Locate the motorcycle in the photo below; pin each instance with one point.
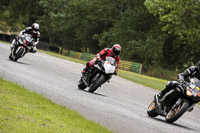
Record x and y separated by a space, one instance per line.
23 44
176 102
98 75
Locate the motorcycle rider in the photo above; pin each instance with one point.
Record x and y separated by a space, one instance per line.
111 52
191 72
34 32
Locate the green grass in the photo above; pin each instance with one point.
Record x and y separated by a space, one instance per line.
22 111
63 57
5 42
148 81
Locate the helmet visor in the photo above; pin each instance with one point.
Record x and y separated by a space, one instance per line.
35 31
116 51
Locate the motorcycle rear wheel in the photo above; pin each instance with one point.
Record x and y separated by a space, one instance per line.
151 110
173 115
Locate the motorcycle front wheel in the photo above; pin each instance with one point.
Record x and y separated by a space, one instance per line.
10 56
175 114
93 87
151 110
19 54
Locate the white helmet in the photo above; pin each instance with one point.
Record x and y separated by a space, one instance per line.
35 28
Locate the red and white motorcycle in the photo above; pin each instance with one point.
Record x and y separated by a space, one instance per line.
98 75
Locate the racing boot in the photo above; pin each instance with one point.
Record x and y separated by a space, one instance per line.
160 96
33 50
85 70
13 44
170 85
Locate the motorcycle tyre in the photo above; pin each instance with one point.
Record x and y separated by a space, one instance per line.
81 85
182 110
18 55
152 112
99 82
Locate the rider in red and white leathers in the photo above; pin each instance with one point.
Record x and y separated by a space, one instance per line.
112 52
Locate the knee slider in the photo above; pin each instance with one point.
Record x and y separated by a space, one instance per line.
87 64
90 64
172 84
175 83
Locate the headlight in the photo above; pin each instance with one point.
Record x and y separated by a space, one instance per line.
189 93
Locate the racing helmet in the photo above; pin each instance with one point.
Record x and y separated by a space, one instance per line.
116 49
35 28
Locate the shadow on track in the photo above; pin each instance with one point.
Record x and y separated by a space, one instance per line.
93 93
18 62
22 63
174 124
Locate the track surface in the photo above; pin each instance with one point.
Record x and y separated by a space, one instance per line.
119 105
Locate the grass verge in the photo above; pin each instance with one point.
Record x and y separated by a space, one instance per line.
148 81
5 42
22 111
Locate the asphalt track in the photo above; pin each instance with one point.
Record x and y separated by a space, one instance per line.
119 105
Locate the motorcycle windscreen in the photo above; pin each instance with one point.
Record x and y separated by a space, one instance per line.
109 69
29 39
111 60
21 40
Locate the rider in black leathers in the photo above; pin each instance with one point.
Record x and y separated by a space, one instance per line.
191 72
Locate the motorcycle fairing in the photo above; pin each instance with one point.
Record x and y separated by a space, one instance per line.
108 67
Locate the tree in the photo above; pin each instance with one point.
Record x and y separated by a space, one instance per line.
181 21
139 34
16 15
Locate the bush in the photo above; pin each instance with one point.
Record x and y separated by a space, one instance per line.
158 72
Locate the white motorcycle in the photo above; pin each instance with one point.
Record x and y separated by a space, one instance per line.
98 75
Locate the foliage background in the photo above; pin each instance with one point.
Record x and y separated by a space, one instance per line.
160 34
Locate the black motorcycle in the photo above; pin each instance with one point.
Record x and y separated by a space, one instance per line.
176 102
98 75
23 44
